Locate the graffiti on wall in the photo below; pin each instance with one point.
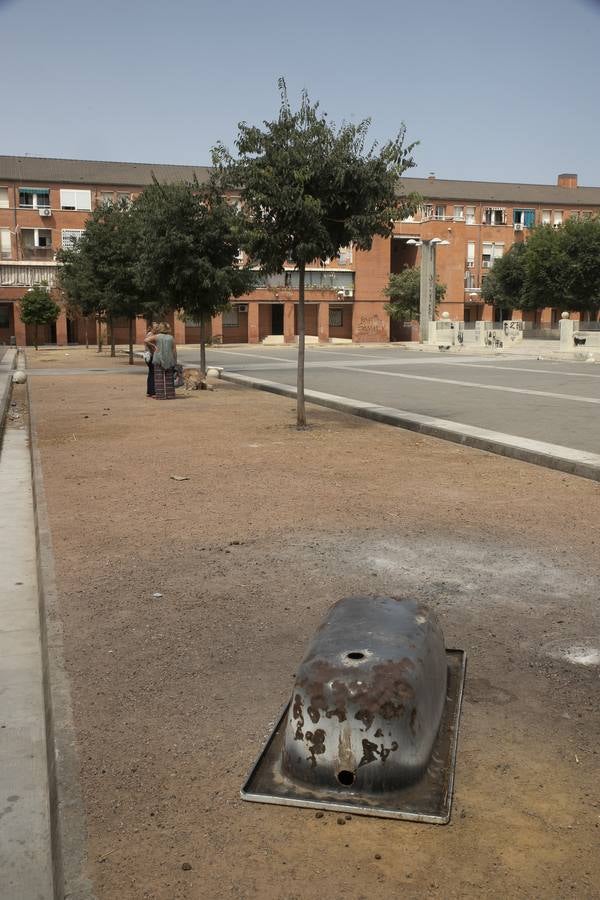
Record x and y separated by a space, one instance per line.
370 325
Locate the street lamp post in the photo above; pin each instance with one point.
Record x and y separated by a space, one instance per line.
427 282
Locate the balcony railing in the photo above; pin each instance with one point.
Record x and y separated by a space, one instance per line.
41 253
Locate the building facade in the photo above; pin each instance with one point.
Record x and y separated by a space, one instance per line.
44 204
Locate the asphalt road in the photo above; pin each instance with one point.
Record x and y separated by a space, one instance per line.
550 401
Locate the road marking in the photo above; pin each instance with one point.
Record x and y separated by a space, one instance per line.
484 387
480 365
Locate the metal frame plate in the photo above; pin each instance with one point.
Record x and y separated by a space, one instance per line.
428 800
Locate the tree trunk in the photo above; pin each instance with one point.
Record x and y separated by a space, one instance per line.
112 336
300 409
99 327
35 335
131 322
87 336
202 346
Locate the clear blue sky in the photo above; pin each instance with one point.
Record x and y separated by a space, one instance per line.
499 92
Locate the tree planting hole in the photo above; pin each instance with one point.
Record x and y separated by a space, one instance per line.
356 654
346 778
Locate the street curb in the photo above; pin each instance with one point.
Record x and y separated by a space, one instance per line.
551 456
67 812
7 390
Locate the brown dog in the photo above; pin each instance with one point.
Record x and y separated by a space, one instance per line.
194 380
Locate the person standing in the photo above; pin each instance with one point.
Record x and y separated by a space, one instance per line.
164 362
148 354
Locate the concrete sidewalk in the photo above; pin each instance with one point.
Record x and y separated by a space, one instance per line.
7 364
26 871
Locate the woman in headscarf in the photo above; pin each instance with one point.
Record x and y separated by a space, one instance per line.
164 362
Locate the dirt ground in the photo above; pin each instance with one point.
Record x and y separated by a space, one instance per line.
173 695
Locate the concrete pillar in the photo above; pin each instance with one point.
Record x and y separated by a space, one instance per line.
323 323
217 328
427 291
141 329
61 329
253 330
289 322
178 330
567 327
431 333
19 328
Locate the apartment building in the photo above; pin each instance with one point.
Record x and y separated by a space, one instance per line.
44 204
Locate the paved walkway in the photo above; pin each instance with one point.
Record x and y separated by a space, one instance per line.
25 846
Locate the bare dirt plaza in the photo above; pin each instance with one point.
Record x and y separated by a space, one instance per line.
173 695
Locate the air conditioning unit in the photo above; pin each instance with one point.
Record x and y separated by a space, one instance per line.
486 264
44 211
348 292
518 226
242 307
470 264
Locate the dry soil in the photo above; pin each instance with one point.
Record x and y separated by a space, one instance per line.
174 694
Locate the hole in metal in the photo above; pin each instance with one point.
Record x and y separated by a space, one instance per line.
346 778
356 654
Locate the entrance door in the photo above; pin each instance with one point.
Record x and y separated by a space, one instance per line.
277 318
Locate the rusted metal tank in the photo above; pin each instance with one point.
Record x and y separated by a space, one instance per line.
368 697
372 724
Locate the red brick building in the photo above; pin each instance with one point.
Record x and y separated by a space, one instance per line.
44 204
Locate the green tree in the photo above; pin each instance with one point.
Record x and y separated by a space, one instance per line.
579 242
504 285
404 291
100 272
38 308
310 189
188 253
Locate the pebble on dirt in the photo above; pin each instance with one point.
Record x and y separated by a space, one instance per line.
186 867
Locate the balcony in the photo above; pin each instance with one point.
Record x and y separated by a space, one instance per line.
38 253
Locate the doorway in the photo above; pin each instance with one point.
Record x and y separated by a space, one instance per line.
277 318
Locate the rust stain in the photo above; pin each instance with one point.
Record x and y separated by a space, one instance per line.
317 745
299 717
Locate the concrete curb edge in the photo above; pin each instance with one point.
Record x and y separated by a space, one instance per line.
6 393
67 812
585 465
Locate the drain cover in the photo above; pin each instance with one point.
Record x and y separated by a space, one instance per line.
372 725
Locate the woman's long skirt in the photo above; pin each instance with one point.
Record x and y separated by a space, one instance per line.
164 383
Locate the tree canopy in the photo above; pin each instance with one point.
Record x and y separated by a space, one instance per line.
99 273
38 308
189 239
555 267
404 291
311 188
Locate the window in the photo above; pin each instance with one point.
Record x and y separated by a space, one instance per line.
470 215
231 317
70 237
3 198
546 215
494 215
459 213
345 256
336 317
123 198
557 217
490 253
36 238
34 198
5 248
427 211
440 212
470 254
525 217
106 196
75 199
